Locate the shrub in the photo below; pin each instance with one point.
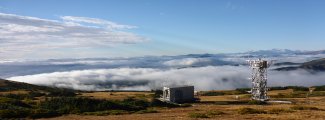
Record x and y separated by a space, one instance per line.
139 104
256 102
157 93
14 113
198 115
215 113
208 114
298 88
43 113
66 105
279 110
16 96
238 91
317 93
61 93
243 90
250 111
158 103
294 88
33 94
295 94
147 111
12 103
212 93
319 88
108 112
299 107
278 88
185 105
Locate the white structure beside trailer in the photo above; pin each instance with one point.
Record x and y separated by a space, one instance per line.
178 94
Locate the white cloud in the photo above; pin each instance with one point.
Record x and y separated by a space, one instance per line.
145 73
108 24
188 62
20 34
204 78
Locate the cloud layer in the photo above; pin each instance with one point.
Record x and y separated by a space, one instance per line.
204 71
24 33
203 78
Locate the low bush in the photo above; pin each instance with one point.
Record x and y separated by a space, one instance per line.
317 93
294 88
198 115
295 94
242 102
14 113
157 93
250 111
230 92
299 107
215 113
42 113
319 88
61 93
256 102
208 114
67 105
277 88
243 90
279 110
298 88
158 103
147 111
212 93
108 112
30 95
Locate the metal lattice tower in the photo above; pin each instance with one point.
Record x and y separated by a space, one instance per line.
259 79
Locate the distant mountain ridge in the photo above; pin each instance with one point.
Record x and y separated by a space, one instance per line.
314 65
12 68
281 52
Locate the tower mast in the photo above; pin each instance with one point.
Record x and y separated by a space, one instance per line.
259 79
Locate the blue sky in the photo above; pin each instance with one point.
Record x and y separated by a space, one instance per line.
170 27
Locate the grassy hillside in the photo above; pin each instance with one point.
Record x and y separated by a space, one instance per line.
6 85
22 100
40 102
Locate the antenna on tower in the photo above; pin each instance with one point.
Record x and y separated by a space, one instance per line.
259 78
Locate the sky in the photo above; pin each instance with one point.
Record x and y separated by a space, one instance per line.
43 29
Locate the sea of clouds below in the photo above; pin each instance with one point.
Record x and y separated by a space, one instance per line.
205 72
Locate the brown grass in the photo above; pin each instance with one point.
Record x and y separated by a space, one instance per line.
15 92
225 111
117 95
